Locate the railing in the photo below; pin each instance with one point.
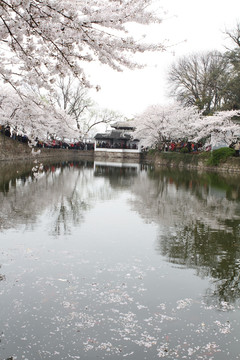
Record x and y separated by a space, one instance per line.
117 150
133 147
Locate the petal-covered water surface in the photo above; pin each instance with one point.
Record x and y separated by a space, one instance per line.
112 261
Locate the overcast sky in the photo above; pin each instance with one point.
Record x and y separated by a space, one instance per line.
193 26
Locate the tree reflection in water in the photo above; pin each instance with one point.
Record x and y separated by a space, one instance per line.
23 197
198 217
197 214
2 277
103 289
215 254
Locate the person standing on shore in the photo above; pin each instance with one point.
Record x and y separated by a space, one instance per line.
237 148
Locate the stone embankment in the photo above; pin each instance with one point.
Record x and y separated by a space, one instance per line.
118 155
13 150
191 162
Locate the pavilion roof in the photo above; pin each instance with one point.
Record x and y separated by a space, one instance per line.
124 125
113 135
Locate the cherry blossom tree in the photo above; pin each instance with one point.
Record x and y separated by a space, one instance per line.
34 117
38 116
219 129
44 39
158 124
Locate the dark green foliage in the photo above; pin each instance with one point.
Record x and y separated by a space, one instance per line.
220 155
152 151
184 150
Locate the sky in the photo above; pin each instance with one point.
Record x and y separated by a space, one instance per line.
189 26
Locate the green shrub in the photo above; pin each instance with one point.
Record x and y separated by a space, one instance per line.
220 155
184 150
152 151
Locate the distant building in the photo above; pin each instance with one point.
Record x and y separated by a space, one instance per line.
120 139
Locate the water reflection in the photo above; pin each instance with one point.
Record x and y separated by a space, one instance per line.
101 260
119 174
2 277
197 214
198 217
63 189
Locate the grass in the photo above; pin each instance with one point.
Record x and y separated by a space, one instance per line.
220 155
213 158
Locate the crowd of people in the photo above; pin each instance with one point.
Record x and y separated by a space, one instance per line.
190 147
50 143
7 131
58 144
181 146
168 146
107 145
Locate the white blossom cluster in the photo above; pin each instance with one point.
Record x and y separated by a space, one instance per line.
174 122
35 118
42 39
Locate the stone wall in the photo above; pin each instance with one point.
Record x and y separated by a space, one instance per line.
12 150
117 155
191 162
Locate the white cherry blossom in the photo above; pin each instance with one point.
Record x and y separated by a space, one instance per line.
44 39
174 122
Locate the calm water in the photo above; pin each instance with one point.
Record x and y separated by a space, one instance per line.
111 262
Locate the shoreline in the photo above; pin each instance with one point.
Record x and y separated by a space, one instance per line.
191 162
13 151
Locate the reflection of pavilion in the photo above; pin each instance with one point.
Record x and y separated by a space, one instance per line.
118 143
102 164
118 173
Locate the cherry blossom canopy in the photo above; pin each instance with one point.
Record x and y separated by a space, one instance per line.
42 39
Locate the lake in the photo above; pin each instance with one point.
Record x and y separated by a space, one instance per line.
112 261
